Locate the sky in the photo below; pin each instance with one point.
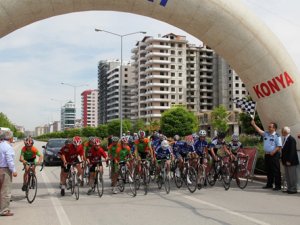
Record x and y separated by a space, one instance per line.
37 58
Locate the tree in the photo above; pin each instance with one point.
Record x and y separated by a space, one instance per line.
5 122
220 119
178 120
245 120
102 131
138 125
88 131
114 127
70 133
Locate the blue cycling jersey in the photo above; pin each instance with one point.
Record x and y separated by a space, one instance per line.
200 146
178 147
161 153
155 143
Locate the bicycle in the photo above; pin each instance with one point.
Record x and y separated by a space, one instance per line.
221 172
98 180
201 171
239 170
144 176
187 176
163 177
31 184
126 176
72 180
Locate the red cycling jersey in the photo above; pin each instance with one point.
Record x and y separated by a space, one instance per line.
70 153
94 154
80 150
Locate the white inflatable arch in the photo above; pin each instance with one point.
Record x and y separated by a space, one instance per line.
228 27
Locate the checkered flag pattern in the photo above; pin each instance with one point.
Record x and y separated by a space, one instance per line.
247 106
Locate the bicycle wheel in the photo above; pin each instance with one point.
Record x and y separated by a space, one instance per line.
177 178
242 176
99 184
226 178
86 175
132 182
191 179
121 179
159 181
201 176
31 188
75 185
167 183
145 179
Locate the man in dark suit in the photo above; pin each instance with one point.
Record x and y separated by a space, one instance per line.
289 160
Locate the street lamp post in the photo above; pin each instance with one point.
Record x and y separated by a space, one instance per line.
121 70
74 86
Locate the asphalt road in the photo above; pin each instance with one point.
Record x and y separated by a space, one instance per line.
211 205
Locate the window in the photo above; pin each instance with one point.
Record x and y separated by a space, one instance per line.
180 89
172 89
172 81
173 74
237 92
237 85
180 74
180 82
173 96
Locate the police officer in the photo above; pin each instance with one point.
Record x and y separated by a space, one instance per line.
272 148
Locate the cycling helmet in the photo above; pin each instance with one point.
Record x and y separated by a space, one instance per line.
164 144
124 140
221 135
162 137
235 137
195 136
77 140
68 142
96 141
189 140
176 137
115 139
91 139
202 133
141 134
135 136
28 142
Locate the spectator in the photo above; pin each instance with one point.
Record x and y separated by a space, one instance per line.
272 148
289 160
7 170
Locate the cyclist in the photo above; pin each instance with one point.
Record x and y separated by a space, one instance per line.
201 148
142 148
178 147
155 140
235 145
93 157
28 155
112 155
68 154
86 147
201 144
163 152
123 153
218 148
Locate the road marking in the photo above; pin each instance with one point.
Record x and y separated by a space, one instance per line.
61 214
226 210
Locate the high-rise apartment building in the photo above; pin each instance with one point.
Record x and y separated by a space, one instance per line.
68 114
109 90
160 74
89 108
103 67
